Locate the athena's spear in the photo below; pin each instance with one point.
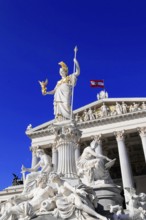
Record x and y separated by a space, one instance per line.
74 69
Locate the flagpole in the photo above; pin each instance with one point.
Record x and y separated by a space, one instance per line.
74 69
104 86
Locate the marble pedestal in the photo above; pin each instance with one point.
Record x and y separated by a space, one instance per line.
67 136
49 217
108 194
46 217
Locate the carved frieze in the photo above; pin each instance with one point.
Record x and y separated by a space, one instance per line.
107 110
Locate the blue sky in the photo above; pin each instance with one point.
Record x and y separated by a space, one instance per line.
35 35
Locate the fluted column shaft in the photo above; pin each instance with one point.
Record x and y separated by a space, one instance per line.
55 158
77 152
66 160
124 161
66 140
98 149
34 158
142 133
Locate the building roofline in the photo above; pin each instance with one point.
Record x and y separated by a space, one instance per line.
97 102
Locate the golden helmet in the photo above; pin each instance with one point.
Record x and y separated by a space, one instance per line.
64 66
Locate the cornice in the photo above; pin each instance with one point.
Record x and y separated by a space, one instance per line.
96 103
92 123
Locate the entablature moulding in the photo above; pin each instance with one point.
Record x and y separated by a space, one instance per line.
43 135
106 130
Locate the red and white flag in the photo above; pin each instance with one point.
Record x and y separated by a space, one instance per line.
97 83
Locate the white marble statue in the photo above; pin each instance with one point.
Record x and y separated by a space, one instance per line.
137 201
25 206
77 117
131 108
102 95
29 127
124 108
92 168
118 108
63 91
142 200
135 107
113 111
86 115
96 114
104 110
45 165
80 119
136 204
91 115
71 200
143 106
118 213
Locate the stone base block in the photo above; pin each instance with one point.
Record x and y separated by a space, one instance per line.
108 194
45 217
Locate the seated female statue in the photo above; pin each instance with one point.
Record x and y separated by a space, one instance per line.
71 200
45 167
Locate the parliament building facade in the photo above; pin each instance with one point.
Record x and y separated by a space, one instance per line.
120 126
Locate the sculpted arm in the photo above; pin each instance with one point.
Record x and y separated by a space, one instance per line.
35 168
21 198
73 189
94 144
93 153
50 92
68 186
103 157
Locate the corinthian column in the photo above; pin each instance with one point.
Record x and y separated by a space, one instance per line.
98 149
142 133
66 138
124 161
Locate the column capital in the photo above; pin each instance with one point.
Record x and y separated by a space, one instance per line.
120 135
142 131
68 133
54 148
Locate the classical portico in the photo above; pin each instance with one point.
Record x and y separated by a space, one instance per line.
121 135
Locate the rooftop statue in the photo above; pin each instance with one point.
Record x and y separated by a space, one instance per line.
102 95
63 90
16 180
118 108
